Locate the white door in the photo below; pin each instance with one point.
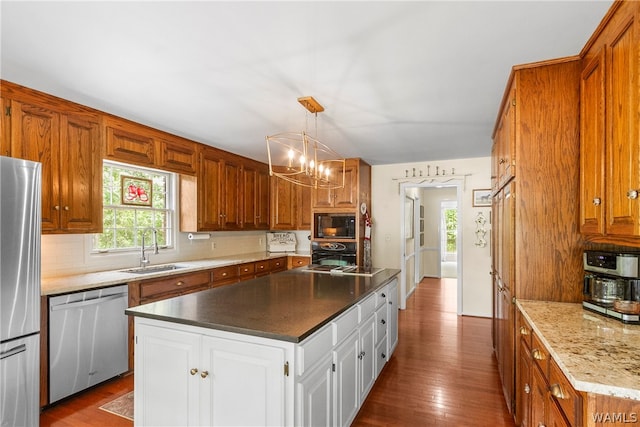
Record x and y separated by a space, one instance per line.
167 378
314 396
346 390
367 356
244 384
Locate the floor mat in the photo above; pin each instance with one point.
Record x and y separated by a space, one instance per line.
121 406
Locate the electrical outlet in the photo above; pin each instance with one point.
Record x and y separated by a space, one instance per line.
213 245
260 241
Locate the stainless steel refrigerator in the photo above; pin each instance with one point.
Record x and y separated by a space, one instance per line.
20 203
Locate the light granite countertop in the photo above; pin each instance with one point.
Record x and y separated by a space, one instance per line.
597 354
86 281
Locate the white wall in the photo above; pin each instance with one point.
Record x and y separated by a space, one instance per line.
386 215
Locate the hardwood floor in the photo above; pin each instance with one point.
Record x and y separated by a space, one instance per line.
443 373
83 410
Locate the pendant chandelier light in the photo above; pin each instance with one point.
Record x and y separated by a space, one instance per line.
303 160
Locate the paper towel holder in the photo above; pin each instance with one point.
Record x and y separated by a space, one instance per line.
199 236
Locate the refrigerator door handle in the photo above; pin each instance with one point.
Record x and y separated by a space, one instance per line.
92 301
13 351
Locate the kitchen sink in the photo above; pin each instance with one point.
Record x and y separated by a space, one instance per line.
153 269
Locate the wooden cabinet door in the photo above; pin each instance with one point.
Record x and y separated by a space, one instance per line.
304 216
5 127
283 202
507 234
323 198
539 398
255 198
178 156
80 175
128 144
523 386
622 120
506 163
209 190
230 194
592 146
507 347
35 135
347 196
263 194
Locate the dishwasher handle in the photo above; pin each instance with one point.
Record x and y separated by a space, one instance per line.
92 301
13 351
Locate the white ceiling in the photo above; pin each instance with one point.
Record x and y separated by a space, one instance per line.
400 81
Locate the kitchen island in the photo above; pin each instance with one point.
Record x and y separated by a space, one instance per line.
292 348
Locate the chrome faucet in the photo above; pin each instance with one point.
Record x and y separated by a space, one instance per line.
144 259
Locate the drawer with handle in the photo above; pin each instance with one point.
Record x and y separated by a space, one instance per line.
540 354
177 284
562 391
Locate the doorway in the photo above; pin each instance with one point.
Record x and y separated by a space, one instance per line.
448 239
430 235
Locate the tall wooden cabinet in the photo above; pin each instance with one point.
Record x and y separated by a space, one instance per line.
67 141
609 129
536 242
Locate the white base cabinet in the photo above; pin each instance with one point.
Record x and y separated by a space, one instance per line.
191 379
193 376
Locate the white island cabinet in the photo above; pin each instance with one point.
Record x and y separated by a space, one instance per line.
188 376
194 375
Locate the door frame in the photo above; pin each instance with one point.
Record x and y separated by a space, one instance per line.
459 186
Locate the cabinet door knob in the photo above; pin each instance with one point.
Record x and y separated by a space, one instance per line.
193 371
632 194
527 388
204 374
180 283
66 208
597 201
383 295
523 331
384 322
56 207
384 356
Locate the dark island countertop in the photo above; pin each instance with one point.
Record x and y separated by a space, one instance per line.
287 306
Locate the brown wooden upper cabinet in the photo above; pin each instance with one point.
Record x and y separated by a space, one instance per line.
67 142
345 197
255 196
290 205
609 130
213 199
136 144
503 161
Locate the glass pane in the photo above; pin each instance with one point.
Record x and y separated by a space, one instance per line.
144 218
108 218
125 218
125 238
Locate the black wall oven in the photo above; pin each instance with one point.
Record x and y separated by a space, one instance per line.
333 253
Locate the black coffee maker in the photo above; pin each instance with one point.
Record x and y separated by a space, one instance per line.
612 284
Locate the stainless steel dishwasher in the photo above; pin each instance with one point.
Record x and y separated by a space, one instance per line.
88 339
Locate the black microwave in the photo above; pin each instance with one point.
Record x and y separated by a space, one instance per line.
335 226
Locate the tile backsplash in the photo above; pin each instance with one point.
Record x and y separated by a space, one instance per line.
68 254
